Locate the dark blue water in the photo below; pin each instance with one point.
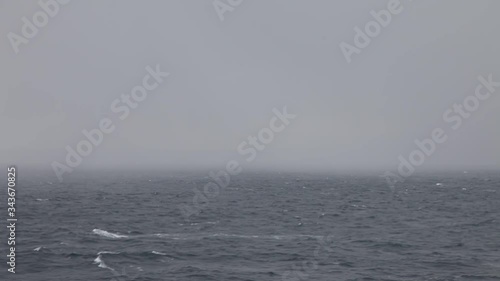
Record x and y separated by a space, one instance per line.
263 226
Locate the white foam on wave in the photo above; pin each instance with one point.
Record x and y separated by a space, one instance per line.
238 236
37 249
158 253
107 252
101 263
172 236
108 234
191 236
41 199
197 223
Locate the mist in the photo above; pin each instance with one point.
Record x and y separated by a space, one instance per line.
227 76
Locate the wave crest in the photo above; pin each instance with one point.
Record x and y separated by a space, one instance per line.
158 253
104 233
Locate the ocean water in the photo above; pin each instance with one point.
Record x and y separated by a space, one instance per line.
262 226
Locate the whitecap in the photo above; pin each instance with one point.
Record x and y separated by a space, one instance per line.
158 253
180 236
439 184
37 249
166 235
101 263
108 234
108 252
40 199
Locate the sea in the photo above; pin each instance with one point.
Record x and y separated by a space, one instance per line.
129 225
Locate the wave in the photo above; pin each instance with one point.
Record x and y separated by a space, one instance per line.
108 234
107 252
101 263
158 253
197 223
189 236
237 236
275 237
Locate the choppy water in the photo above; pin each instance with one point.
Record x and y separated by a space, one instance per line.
127 226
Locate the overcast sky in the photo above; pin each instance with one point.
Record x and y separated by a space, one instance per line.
227 76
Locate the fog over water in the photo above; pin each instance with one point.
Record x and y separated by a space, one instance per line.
250 140
227 76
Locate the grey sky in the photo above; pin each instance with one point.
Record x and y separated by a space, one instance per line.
227 76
